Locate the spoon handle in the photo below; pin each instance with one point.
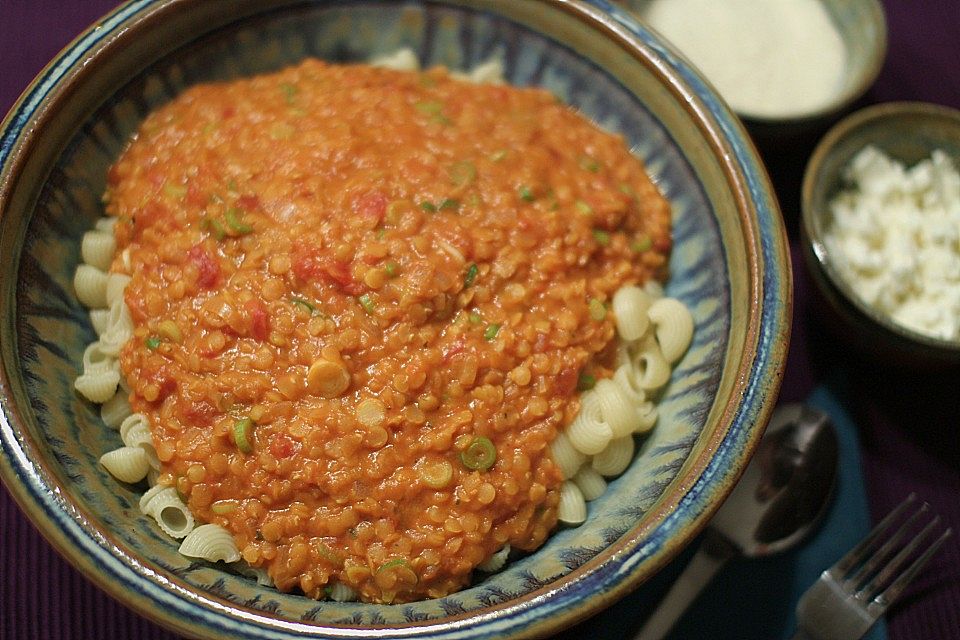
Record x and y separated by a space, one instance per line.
713 554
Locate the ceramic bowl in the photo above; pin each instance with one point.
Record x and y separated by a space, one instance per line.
862 27
730 266
905 131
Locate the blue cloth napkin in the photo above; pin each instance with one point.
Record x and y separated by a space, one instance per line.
755 599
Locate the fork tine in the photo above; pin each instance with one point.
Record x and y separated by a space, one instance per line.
891 568
880 556
857 554
897 586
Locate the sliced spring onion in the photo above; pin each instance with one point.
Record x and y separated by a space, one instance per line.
170 330
479 455
429 107
642 244
438 475
223 507
402 569
233 216
428 206
366 302
330 555
214 227
463 173
526 194
597 311
475 317
586 382
152 343
583 207
303 304
471 275
433 109
391 269
289 92
175 191
602 237
242 431
491 332
450 203
589 164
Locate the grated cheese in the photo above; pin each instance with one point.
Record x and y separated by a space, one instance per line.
767 58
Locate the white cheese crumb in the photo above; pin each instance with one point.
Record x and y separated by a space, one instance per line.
895 239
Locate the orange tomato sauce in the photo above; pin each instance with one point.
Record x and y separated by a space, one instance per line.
363 271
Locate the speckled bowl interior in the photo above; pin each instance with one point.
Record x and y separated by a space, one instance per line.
730 266
907 132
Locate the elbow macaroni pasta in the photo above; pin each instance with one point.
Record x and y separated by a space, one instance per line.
654 332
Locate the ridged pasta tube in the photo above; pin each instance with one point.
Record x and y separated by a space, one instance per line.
99 319
615 407
625 377
588 432
566 456
115 410
116 283
400 60
90 284
630 306
648 417
131 422
496 561
138 435
98 386
97 249
614 460
210 542
340 592
106 224
127 464
653 370
572 508
674 327
591 483
164 505
95 359
119 328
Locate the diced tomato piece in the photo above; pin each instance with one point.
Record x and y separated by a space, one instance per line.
207 265
113 174
309 265
195 196
282 447
197 412
228 112
249 202
150 214
455 347
567 381
259 320
370 207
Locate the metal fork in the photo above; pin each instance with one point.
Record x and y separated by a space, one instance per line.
852 594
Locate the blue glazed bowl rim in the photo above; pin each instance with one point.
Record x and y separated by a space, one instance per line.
586 590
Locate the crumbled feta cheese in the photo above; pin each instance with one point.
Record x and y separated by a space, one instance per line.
894 236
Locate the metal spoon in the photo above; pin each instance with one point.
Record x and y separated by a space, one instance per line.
782 495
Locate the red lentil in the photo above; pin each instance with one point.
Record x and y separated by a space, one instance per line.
374 268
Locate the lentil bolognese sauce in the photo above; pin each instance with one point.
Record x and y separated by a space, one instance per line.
363 300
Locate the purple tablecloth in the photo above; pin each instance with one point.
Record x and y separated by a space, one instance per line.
908 422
